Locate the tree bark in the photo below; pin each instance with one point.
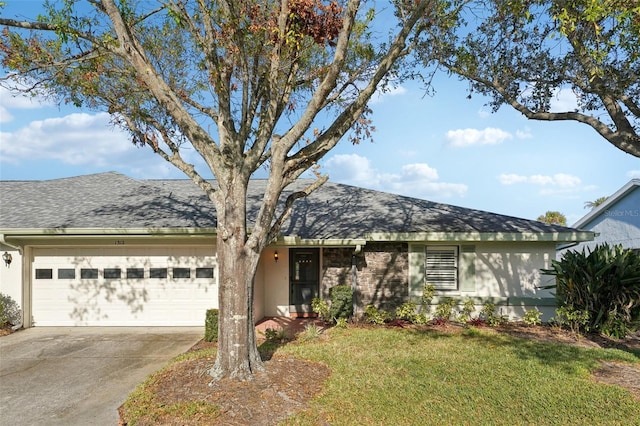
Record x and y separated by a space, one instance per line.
237 355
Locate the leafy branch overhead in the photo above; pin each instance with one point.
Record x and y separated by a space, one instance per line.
525 53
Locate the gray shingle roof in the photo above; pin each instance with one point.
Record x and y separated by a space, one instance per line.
112 200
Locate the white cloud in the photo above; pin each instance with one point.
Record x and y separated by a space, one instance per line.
524 134
484 113
380 95
632 174
415 180
468 137
563 100
82 139
12 101
558 180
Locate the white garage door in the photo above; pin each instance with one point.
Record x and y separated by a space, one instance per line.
118 286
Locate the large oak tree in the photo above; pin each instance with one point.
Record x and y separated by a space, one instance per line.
242 82
523 53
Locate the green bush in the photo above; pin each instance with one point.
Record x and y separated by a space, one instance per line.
532 317
341 302
428 292
407 312
374 315
321 307
488 313
9 311
468 308
604 282
211 326
444 310
576 320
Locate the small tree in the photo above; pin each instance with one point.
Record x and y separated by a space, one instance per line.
553 218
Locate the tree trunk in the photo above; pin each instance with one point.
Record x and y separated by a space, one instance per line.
237 355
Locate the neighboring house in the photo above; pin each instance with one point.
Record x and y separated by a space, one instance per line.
616 221
108 250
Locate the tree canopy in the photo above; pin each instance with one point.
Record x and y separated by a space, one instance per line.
553 218
527 53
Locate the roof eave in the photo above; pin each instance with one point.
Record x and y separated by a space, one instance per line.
612 199
577 236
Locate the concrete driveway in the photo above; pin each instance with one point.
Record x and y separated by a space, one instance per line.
81 375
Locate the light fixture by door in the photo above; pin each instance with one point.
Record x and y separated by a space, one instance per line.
7 258
275 256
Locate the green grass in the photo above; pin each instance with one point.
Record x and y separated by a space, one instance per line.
407 377
384 376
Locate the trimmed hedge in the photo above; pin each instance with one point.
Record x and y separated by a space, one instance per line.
211 326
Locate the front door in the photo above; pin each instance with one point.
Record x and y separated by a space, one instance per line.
304 277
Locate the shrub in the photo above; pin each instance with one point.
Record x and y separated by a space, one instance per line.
311 332
421 319
407 312
341 302
488 313
9 311
532 317
444 310
275 335
321 307
211 326
576 320
428 292
374 315
604 282
467 309
341 323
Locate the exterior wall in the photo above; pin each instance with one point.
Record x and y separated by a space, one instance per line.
383 275
11 275
507 274
276 282
336 269
617 224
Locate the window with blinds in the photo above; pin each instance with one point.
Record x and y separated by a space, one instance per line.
441 267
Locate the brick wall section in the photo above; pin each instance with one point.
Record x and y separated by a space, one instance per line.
382 274
336 269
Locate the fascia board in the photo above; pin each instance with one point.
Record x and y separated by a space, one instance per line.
105 231
484 236
617 196
330 242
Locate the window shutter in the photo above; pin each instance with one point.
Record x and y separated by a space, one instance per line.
441 267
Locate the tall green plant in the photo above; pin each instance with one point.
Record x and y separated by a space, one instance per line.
605 282
341 302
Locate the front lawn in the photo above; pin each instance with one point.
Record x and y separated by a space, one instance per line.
385 376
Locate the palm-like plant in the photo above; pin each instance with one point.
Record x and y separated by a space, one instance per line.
605 282
595 203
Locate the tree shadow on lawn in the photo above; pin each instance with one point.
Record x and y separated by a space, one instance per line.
569 354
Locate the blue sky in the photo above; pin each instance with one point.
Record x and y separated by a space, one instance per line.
444 148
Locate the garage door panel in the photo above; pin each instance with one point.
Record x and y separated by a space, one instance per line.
123 301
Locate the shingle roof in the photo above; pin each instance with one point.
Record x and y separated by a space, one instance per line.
335 211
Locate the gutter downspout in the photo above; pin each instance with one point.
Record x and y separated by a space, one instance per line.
354 276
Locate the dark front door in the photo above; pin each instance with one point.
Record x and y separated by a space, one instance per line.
304 277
